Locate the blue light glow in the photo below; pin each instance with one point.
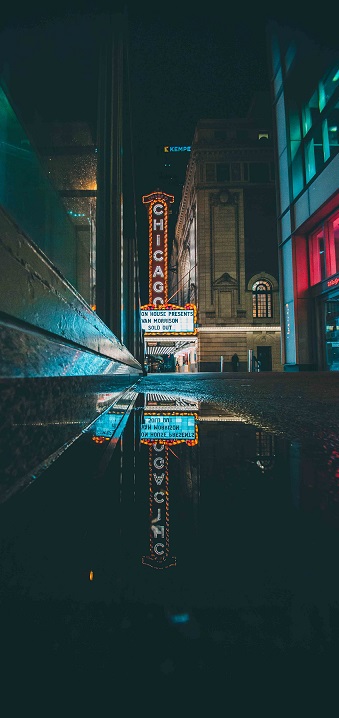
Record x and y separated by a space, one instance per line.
180 618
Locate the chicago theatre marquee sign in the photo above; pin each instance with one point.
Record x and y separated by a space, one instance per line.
160 317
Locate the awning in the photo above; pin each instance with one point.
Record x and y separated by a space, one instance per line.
172 346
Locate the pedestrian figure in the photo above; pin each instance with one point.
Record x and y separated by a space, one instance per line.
235 362
255 363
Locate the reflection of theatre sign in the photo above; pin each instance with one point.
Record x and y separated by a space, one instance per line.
159 317
160 430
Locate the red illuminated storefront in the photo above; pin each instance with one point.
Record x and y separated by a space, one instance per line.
324 280
317 289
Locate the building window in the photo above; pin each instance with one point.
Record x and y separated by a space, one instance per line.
262 299
317 256
318 140
221 135
236 171
310 113
242 137
323 250
328 86
331 131
334 243
223 173
210 172
259 172
322 258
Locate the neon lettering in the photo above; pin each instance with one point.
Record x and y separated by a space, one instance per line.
158 224
159 462
158 531
156 549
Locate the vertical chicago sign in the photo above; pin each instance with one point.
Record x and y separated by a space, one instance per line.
158 246
159 316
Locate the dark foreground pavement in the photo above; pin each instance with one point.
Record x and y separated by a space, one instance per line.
263 576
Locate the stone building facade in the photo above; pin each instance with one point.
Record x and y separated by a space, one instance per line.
224 256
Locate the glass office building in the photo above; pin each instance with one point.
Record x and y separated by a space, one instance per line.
305 95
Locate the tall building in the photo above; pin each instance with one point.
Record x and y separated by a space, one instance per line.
224 256
69 155
57 228
305 96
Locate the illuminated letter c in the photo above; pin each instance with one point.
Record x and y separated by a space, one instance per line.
156 549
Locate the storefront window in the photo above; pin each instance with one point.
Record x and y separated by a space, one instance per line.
332 334
333 231
317 256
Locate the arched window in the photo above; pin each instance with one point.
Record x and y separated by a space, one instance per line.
265 450
262 299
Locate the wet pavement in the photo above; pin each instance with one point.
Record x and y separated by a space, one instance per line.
185 536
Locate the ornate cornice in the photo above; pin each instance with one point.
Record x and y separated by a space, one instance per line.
244 154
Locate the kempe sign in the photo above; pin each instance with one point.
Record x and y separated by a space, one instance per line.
176 148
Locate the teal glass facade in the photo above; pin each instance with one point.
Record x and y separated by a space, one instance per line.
29 197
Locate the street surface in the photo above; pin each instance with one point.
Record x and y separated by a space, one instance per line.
293 404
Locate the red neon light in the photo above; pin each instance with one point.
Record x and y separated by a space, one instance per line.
158 246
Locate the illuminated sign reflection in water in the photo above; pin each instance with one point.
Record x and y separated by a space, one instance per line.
160 431
159 538
170 426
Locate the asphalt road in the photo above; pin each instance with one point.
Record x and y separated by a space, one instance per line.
292 404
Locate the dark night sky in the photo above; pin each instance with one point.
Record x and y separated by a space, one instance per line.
185 64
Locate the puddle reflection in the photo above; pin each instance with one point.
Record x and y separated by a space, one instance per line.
177 512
